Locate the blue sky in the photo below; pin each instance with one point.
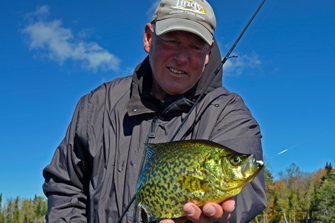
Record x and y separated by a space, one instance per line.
54 52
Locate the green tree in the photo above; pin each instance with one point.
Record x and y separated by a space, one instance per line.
305 199
282 203
325 197
296 182
27 211
299 197
267 213
40 208
329 172
2 217
24 210
9 211
16 216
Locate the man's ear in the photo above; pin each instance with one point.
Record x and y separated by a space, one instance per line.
147 37
209 50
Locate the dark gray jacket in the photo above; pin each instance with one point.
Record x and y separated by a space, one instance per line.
94 171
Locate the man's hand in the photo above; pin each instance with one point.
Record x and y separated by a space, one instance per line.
218 212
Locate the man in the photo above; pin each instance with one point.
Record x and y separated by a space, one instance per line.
94 171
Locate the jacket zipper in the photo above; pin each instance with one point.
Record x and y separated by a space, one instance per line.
151 135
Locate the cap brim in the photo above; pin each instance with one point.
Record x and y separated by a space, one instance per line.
177 24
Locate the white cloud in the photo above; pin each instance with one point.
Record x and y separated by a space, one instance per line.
59 44
235 66
40 13
85 33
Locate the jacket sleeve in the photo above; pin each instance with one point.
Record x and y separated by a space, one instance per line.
67 176
238 130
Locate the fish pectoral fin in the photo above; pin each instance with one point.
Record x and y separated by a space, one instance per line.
193 184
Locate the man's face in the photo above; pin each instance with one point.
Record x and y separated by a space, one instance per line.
177 60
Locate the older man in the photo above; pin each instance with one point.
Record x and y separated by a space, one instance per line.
93 174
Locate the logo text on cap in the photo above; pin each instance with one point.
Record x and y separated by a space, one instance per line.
189 5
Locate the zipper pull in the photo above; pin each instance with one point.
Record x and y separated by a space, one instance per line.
151 134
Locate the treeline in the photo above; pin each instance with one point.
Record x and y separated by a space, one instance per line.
23 210
299 197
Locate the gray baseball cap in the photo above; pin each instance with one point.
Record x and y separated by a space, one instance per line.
195 16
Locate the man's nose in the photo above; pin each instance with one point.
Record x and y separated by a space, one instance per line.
181 55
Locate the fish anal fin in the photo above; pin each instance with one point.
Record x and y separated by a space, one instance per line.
147 217
144 216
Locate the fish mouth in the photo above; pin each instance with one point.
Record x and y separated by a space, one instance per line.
251 168
248 171
259 163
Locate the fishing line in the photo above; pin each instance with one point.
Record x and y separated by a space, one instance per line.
200 96
252 34
302 141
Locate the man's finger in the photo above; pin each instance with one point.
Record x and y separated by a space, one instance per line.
194 213
229 205
219 212
213 211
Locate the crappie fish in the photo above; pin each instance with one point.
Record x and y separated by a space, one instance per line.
197 171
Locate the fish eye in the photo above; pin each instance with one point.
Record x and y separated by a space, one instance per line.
235 160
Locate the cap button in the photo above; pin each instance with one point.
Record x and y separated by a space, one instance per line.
134 109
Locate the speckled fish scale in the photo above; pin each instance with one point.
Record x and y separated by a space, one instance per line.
188 171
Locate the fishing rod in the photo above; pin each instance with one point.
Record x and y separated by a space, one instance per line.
200 96
217 71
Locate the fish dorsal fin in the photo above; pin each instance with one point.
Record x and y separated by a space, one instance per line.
151 148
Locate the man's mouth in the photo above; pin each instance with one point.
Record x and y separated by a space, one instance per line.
176 71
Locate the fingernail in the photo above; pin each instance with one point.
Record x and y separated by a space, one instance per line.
210 211
189 211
